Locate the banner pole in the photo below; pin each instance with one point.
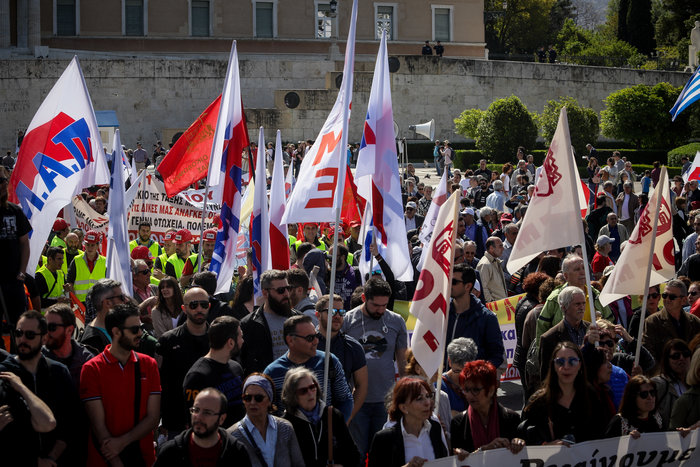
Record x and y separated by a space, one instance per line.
201 229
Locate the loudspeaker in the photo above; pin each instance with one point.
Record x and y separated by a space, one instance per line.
426 129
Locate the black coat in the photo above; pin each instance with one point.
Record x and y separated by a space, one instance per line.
461 431
175 453
256 353
387 448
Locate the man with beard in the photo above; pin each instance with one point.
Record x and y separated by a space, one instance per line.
88 268
50 278
50 381
383 336
144 239
217 369
263 327
206 443
176 262
121 393
104 295
180 348
72 251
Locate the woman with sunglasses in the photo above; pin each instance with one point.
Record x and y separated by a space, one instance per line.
167 306
670 384
415 438
310 418
485 424
269 440
561 411
638 412
686 412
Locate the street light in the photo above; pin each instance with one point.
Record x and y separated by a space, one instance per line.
334 9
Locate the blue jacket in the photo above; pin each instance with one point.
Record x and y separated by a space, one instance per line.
481 325
617 383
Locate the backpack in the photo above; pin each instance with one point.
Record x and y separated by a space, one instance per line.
532 364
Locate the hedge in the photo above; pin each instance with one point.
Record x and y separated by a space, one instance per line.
689 150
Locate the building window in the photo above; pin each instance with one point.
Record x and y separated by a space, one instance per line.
65 18
384 19
264 19
133 18
442 23
200 18
324 22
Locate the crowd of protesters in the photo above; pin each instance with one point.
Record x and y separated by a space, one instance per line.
178 375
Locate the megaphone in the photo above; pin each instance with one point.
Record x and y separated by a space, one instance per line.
426 129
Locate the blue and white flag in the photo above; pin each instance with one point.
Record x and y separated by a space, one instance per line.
118 264
689 94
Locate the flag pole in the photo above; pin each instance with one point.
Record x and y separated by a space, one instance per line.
201 228
658 191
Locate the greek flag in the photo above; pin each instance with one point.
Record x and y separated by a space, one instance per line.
689 94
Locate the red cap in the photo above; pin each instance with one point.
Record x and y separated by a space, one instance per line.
59 225
209 235
92 237
355 224
141 252
182 236
506 216
169 236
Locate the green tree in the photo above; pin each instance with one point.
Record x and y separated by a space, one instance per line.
622 9
504 126
639 115
583 122
640 30
521 27
560 12
467 122
673 20
595 48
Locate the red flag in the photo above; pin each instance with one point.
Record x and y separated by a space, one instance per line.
188 160
353 204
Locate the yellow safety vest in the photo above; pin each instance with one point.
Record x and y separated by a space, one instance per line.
54 284
153 247
84 279
178 264
58 241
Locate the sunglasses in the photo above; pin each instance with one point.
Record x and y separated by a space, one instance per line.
305 390
669 296
145 272
607 343
572 361
29 335
309 338
678 355
53 326
654 295
457 281
694 293
198 303
132 329
281 290
249 397
336 311
645 394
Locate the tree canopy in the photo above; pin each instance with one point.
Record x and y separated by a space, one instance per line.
583 122
504 126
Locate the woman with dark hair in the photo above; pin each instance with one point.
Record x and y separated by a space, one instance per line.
243 300
550 265
485 424
168 306
269 440
506 171
415 438
593 170
670 384
561 411
310 417
638 412
598 372
686 413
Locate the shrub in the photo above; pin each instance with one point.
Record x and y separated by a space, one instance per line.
583 122
689 150
504 126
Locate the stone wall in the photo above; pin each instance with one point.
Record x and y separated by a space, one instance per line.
153 98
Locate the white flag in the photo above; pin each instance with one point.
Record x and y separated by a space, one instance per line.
426 231
432 295
118 264
693 172
629 275
553 218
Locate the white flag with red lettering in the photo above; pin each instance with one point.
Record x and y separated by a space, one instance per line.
629 275
313 198
553 218
432 295
426 231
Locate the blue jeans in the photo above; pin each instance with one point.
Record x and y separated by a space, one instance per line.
368 420
438 166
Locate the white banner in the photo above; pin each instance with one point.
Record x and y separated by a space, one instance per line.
87 218
196 198
651 449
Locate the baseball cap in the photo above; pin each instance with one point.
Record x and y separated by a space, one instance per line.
169 236
604 240
355 224
92 237
141 252
506 216
209 235
411 204
182 236
468 211
59 224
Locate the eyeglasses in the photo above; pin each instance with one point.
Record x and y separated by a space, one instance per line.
145 272
654 295
198 303
281 290
607 343
205 412
132 329
303 391
678 355
572 361
457 281
120 297
670 296
309 338
53 326
336 311
645 394
29 335
249 397
474 391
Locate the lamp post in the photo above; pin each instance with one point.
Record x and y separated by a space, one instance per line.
333 14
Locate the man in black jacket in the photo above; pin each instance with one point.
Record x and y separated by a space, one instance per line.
206 439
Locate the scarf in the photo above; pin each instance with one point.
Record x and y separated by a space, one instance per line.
314 416
483 435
